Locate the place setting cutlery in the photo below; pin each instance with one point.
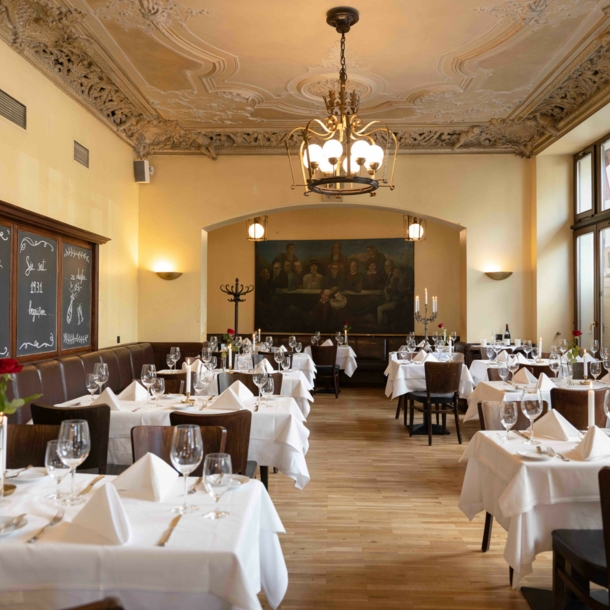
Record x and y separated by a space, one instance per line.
54 521
20 471
551 453
193 487
168 532
13 524
91 485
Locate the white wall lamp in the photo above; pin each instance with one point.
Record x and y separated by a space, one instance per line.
498 275
168 275
415 228
257 228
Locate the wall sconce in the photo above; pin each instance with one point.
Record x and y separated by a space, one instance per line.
168 275
415 228
257 228
498 275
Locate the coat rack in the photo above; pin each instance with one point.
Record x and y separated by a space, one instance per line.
236 293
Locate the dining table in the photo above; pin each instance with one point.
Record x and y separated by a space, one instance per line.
346 358
478 368
278 435
529 495
212 564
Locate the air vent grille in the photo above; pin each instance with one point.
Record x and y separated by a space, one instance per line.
81 154
12 110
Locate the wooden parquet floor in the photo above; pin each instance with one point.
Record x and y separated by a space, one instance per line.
378 525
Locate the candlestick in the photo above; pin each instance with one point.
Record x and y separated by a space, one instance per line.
425 319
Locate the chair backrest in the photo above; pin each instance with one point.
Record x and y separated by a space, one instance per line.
489 415
324 355
237 424
578 370
158 441
572 404
457 357
26 444
493 375
604 494
98 418
269 356
443 377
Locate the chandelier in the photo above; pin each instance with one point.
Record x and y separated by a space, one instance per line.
339 155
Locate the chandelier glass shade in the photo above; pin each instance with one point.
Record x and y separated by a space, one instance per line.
340 154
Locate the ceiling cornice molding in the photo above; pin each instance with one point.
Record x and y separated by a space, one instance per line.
54 37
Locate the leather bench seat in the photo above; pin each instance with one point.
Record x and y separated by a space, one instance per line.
63 379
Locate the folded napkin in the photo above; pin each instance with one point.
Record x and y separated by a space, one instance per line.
241 391
246 341
228 401
588 358
522 359
502 356
105 515
282 349
544 383
150 478
524 376
421 343
195 366
566 358
594 446
327 343
420 356
134 391
264 366
108 397
431 358
555 425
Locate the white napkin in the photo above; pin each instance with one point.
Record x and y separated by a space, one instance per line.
228 401
134 391
502 356
588 358
195 366
105 516
594 446
264 366
150 478
524 376
241 391
522 359
420 356
555 425
544 383
327 343
421 343
431 358
108 397
566 358
246 341
282 349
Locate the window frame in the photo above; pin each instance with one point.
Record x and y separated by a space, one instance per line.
595 204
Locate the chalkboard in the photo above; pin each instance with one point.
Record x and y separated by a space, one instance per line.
75 297
5 291
36 294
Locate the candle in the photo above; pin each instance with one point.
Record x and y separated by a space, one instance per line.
259 335
253 340
434 305
230 356
417 304
591 407
584 364
345 337
540 348
188 379
425 296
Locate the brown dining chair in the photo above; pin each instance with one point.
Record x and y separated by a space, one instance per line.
327 369
158 441
572 404
441 396
108 603
27 444
98 418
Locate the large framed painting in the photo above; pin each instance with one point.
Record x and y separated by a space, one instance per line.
319 285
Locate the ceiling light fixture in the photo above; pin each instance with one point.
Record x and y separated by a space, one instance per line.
415 228
339 155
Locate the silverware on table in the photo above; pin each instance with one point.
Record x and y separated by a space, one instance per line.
193 487
91 485
12 523
54 521
527 438
21 471
554 453
168 531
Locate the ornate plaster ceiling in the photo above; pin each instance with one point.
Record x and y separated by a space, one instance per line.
218 76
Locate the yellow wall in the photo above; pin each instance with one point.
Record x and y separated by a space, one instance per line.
37 172
489 195
437 259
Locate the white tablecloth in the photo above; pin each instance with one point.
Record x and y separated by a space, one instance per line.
529 499
405 378
278 436
346 359
478 368
304 363
207 564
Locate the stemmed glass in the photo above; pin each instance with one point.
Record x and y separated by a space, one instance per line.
298 348
74 445
314 340
563 347
607 404
607 365
238 343
206 354
569 372
158 388
317 335
532 408
268 389
554 364
213 342
490 352
292 341
497 349
269 343
603 353
513 367
217 477
186 454
403 356
595 368
594 347
91 383
100 370
200 385
278 357
147 377
508 416
170 361
56 469
503 371
527 348
286 362
259 380
211 365
175 352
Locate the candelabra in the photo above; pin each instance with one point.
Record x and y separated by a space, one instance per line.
426 320
236 292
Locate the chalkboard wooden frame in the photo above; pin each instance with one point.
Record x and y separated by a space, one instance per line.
19 219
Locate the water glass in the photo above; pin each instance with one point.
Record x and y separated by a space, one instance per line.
286 362
513 367
569 372
278 357
200 386
206 354
211 365
503 371
594 346
527 347
508 416
74 445
186 454
554 364
531 405
259 380
217 477
100 370
169 359
238 343
158 388
298 348
292 341
56 469
269 342
175 353
564 346
148 376
314 340
91 383
595 369
268 389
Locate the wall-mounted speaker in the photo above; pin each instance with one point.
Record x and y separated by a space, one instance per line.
141 171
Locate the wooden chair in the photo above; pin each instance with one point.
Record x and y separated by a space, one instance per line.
572 404
109 603
327 369
580 557
442 391
98 418
26 444
158 441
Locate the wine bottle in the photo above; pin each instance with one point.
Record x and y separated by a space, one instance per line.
507 336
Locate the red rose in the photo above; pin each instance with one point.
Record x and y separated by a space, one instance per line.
441 325
230 331
8 366
576 333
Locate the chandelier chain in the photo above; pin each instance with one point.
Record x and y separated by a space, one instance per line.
343 71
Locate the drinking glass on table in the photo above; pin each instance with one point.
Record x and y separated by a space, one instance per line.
74 445
175 352
594 347
314 340
527 348
242 363
211 365
91 383
564 346
531 405
503 371
239 341
292 341
206 354
554 365
200 385
534 353
340 340
147 377
513 367
569 372
298 348
158 388
268 389
100 370
217 477
269 343
603 353
497 349
278 356
213 342
490 352
508 416
403 356
318 335
286 362
259 380
169 359
56 469
595 369
607 405
186 454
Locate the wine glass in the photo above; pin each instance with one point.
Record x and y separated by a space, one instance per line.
268 389
100 370
569 372
508 416
318 335
56 469
91 383
217 477
213 342
403 356
314 340
211 365
531 405
527 348
238 343
554 364
74 445
503 371
594 347
186 454
513 367
564 346
292 341
206 354
200 385
147 377
603 353
259 380
340 340
497 349
269 343
169 359
298 348
286 362
175 352
490 352
278 357
158 388
595 369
